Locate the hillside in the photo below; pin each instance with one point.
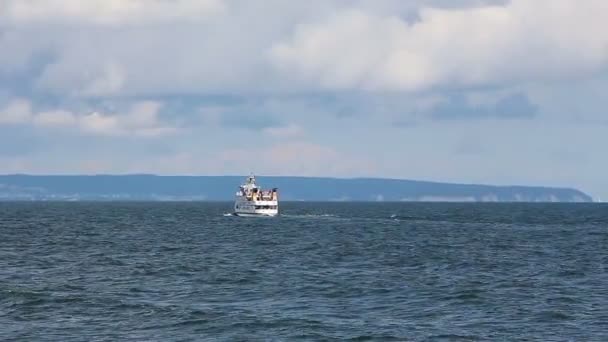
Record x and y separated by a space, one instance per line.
219 188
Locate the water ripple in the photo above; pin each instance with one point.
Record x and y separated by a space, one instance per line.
323 271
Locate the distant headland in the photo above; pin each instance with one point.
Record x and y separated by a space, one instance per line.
222 188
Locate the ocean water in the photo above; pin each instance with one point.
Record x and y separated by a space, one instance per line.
321 272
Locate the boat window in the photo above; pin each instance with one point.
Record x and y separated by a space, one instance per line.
266 207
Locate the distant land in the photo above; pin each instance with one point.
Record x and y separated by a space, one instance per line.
223 188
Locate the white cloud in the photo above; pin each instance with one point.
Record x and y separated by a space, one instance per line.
287 131
105 12
322 44
143 114
222 52
141 120
293 158
16 112
520 41
367 45
55 118
100 124
108 82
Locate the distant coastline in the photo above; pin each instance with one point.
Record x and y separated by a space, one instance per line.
222 188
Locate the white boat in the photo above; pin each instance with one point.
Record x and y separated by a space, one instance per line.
251 200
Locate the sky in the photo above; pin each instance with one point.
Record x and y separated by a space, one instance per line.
469 91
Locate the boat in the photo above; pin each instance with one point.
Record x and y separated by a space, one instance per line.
252 200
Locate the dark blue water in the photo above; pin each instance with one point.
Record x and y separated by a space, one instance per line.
184 272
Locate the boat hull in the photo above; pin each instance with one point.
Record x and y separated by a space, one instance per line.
243 207
255 214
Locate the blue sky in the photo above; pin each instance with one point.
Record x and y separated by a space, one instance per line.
499 92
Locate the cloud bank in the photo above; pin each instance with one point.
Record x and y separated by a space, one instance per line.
141 120
522 41
104 12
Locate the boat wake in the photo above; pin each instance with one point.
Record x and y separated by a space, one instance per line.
393 217
405 218
312 216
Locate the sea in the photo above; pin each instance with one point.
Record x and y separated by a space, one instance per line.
183 271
